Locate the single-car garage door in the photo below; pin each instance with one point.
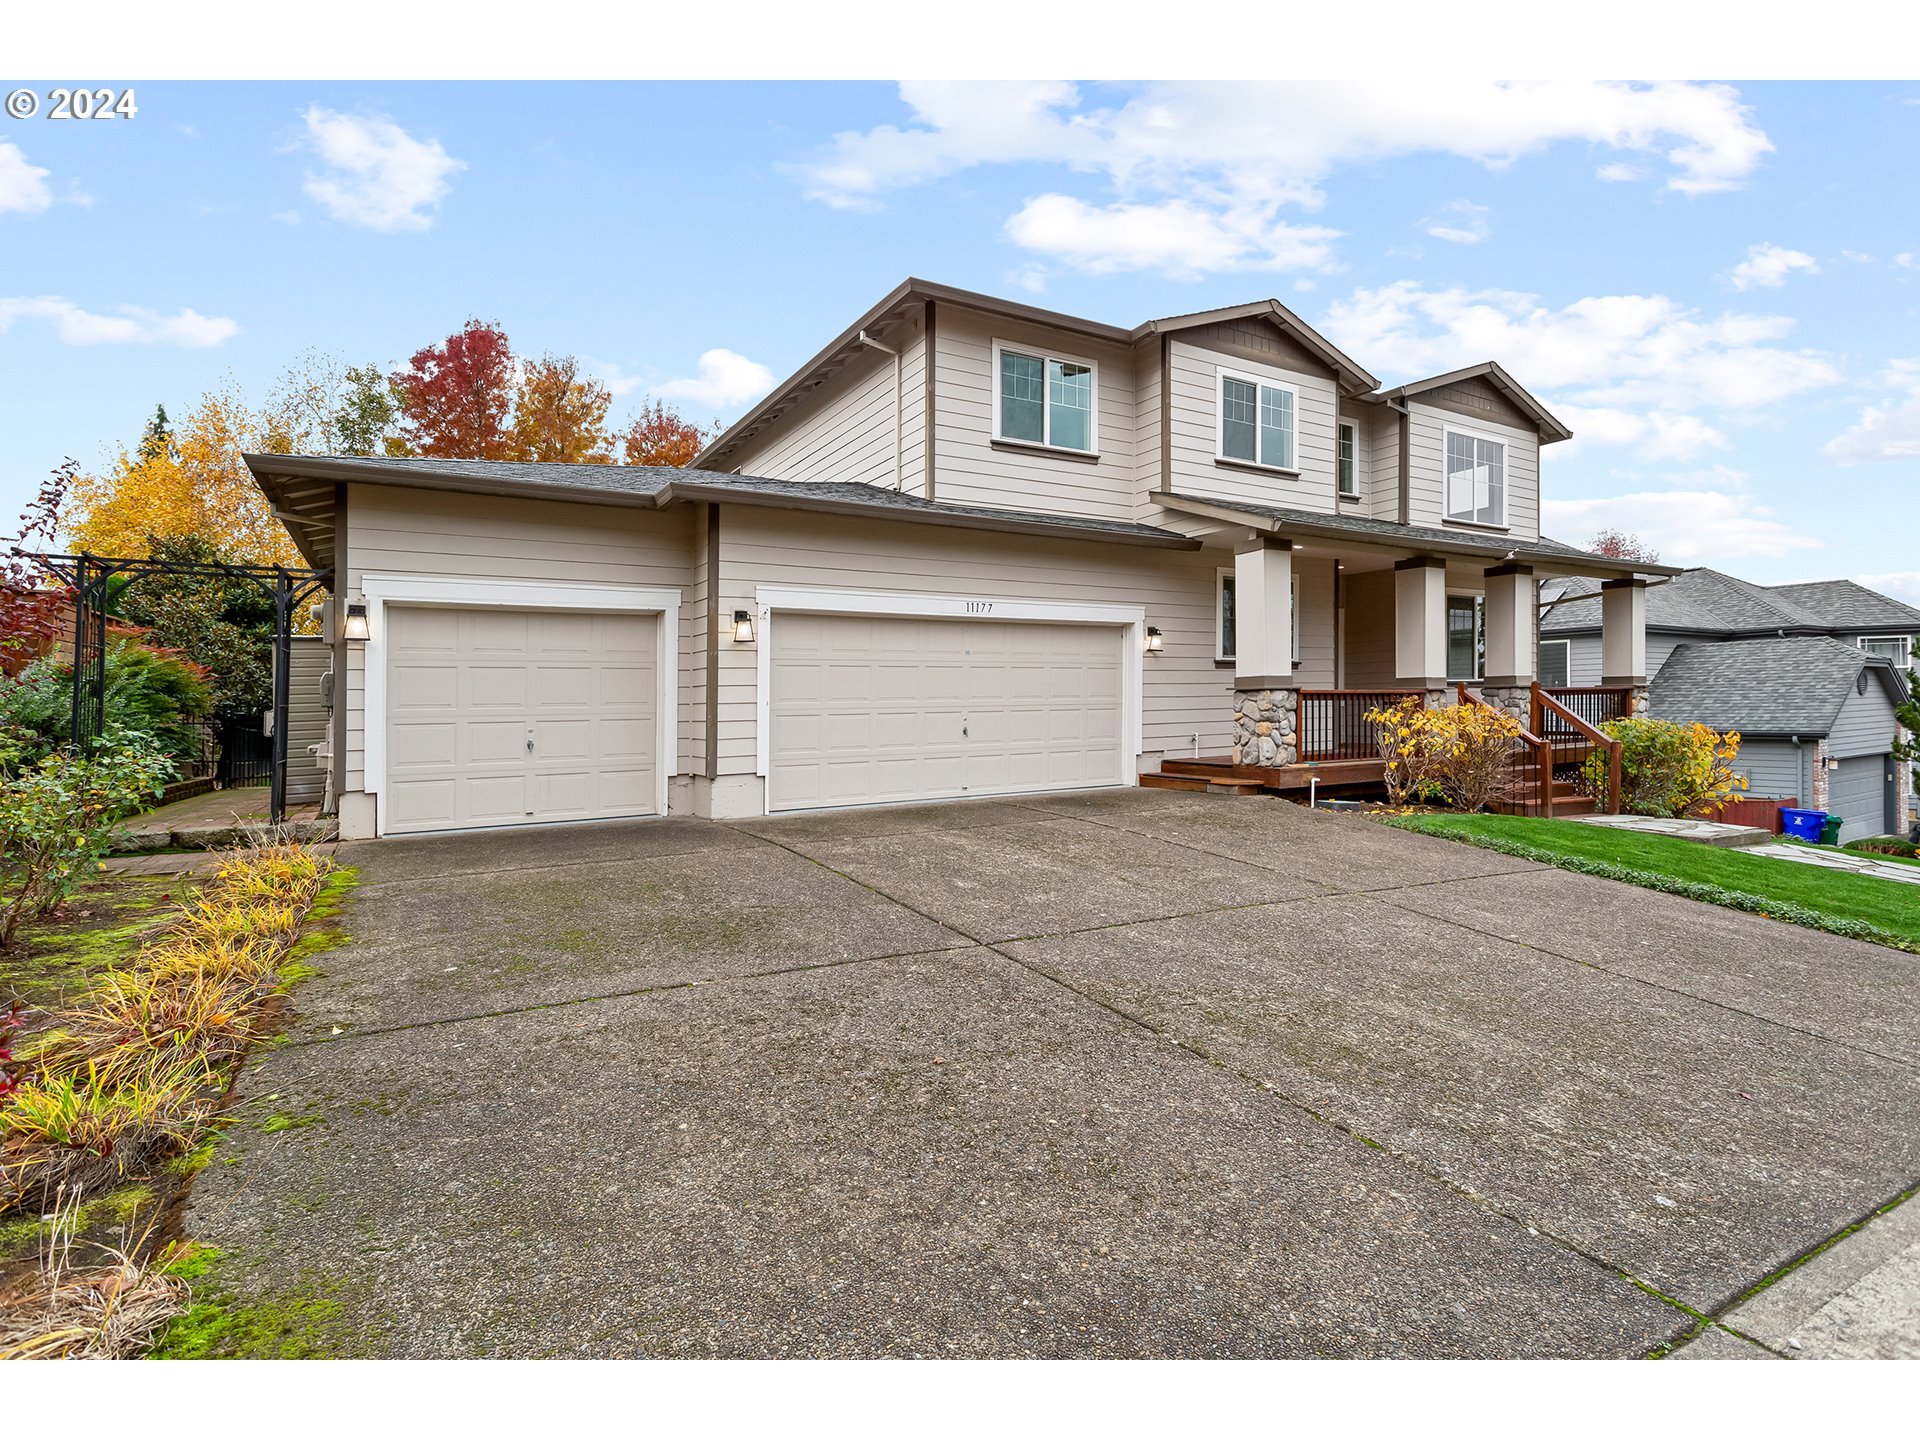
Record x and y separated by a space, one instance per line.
874 709
1860 795
516 717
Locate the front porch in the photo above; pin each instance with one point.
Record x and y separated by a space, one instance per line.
1337 756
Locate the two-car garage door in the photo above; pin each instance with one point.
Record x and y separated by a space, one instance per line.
512 717
870 709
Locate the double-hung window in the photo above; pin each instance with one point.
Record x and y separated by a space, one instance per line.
1256 421
1554 658
1042 399
1476 479
1346 463
1896 648
1466 637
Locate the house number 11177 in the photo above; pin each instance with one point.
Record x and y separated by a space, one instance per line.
979 607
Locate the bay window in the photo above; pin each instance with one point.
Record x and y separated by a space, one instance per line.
1476 479
1256 421
1042 399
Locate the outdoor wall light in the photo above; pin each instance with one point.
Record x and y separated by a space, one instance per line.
1155 644
356 626
742 627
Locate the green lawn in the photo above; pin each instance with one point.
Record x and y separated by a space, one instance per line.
1884 911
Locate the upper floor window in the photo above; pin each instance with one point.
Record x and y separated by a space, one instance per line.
1347 461
1042 399
1896 648
1256 421
1476 479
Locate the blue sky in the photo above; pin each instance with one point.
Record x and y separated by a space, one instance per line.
1716 286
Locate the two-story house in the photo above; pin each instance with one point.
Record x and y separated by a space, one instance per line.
1811 675
972 547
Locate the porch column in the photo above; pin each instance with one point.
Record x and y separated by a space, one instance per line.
1420 624
1509 618
1623 633
1265 698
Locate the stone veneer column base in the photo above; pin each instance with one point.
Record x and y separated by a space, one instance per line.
1516 700
1263 722
1819 801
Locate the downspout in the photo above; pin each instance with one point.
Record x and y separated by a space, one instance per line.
899 476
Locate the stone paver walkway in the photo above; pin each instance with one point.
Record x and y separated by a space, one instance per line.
1853 861
1705 832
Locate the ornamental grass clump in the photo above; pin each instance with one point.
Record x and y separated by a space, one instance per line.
130 1073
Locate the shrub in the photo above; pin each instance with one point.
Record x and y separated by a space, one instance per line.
67 1130
159 693
56 817
1667 768
1463 751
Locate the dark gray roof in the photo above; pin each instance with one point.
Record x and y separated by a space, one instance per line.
663 485
1849 605
1778 685
1711 602
1418 536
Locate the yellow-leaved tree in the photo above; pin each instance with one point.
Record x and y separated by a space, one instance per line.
186 481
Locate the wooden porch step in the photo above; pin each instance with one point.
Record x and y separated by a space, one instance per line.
1151 780
1573 805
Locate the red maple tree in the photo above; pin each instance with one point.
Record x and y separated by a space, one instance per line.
456 397
658 436
1619 545
34 612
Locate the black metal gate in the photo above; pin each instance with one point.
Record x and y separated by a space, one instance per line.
246 752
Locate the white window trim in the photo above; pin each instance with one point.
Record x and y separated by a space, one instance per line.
484 591
1131 620
1506 474
1567 647
1479 633
1905 642
1220 577
1046 406
1219 420
1340 427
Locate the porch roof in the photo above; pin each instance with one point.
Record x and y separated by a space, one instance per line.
1546 554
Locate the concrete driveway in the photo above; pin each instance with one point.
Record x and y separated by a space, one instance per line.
1113 1073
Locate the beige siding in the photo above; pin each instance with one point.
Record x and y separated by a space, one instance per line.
395 531
306 719
1195 381
1148 460
970 469
1383 502
846 433
1314 587
1184 691
1427 476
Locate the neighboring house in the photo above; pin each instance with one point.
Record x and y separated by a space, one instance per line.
970 548
1809 674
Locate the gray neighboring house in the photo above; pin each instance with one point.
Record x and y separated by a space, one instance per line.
1809 674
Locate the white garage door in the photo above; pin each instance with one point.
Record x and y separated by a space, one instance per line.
516 717
1857 792
868 710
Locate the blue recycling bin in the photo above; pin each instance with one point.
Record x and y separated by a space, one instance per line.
1802 824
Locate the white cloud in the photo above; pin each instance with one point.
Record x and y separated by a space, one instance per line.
1684 525
725 380
1769 265
1858 257
1177 236
377 174
618 381
23 186
1461 221
1202 171
1619 172
1901 584
1604 350
129 325
1889 429
1655 434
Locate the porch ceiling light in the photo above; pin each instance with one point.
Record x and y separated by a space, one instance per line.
742 627
1155 643
356 626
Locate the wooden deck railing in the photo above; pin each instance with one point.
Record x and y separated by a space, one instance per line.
1574 736
1529 765
1595 704
1333 725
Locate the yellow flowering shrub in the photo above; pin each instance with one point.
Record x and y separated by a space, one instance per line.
1466 751
1667 768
